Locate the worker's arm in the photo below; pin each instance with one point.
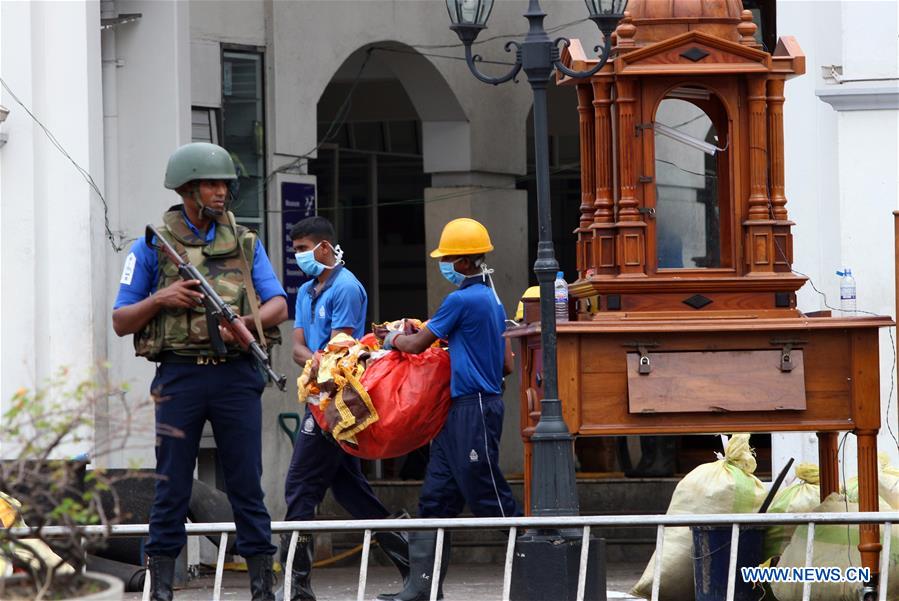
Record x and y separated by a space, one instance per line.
413 343
508 359
301 352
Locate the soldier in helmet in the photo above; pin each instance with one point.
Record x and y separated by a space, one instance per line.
462 468
192 383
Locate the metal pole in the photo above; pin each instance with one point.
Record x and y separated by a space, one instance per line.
553 485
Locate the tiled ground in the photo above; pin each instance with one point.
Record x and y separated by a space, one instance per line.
463 583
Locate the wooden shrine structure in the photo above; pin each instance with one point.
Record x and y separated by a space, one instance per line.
684 316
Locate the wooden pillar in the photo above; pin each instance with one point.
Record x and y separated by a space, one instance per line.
760 249
631 239
783 237
758 168
865 394
828 464
868 500
587 150
604 207
776 147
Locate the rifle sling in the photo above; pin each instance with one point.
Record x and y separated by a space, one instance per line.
248 282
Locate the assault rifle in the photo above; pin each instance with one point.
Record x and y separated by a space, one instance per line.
217 310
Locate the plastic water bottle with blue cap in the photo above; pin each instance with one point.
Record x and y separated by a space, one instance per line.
847 292
561 296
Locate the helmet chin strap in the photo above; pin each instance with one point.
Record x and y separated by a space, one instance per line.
204 210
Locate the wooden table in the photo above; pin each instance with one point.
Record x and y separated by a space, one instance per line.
719 375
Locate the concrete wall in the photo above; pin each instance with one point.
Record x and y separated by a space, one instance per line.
841 179
51 232
152 118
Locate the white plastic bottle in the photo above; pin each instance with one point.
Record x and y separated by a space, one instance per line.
561 297
847 292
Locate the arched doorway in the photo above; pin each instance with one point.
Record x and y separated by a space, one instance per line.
386 119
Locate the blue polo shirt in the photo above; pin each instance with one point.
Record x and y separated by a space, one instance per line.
473 323
341 303
141 271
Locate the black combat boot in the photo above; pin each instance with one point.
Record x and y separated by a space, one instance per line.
422 549
396 546
300 573
162 572
262 577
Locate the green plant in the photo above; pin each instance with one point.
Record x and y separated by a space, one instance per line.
47 479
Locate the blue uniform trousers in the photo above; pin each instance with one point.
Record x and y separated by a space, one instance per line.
229 396
464 463
319 463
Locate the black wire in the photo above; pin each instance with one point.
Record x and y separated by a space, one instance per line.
117 240
430 54
343 111
338 122
495 37
708 175
842 449
464 193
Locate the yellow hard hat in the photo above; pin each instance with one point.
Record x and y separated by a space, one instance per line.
532 292
463 236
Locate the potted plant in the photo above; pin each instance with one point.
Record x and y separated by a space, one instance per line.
47 480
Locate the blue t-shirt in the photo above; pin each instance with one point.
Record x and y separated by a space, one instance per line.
473 322
341 303
141 272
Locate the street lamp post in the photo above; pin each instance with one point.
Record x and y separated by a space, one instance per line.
553 487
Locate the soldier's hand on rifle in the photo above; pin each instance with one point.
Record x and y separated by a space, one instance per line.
228 337
181 294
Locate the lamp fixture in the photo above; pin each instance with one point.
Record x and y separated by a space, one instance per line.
684 138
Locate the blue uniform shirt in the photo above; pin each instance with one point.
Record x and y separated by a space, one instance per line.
341 303
141 272
473 323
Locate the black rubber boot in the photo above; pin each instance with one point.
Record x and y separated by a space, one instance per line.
162 572
422 549
300 573
262 577
396 546
657 458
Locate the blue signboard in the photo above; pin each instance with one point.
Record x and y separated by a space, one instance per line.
297 203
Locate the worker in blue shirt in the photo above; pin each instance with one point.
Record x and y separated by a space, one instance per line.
332 302
463 464
193 383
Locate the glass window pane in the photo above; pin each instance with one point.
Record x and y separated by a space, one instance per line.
243 131
368 136
404 137
687 213
202 125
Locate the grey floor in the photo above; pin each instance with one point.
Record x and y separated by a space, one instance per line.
464 583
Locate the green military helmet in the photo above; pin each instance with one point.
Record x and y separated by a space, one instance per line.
199 160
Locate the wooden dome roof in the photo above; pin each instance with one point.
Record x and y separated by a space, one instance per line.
650 21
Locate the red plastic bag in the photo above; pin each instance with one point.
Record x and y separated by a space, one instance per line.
411 394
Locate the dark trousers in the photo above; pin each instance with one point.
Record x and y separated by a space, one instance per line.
229 396
464 463
318 464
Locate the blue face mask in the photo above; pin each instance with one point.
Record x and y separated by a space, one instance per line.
307 263
449 272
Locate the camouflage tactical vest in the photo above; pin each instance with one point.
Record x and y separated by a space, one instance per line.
185 330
